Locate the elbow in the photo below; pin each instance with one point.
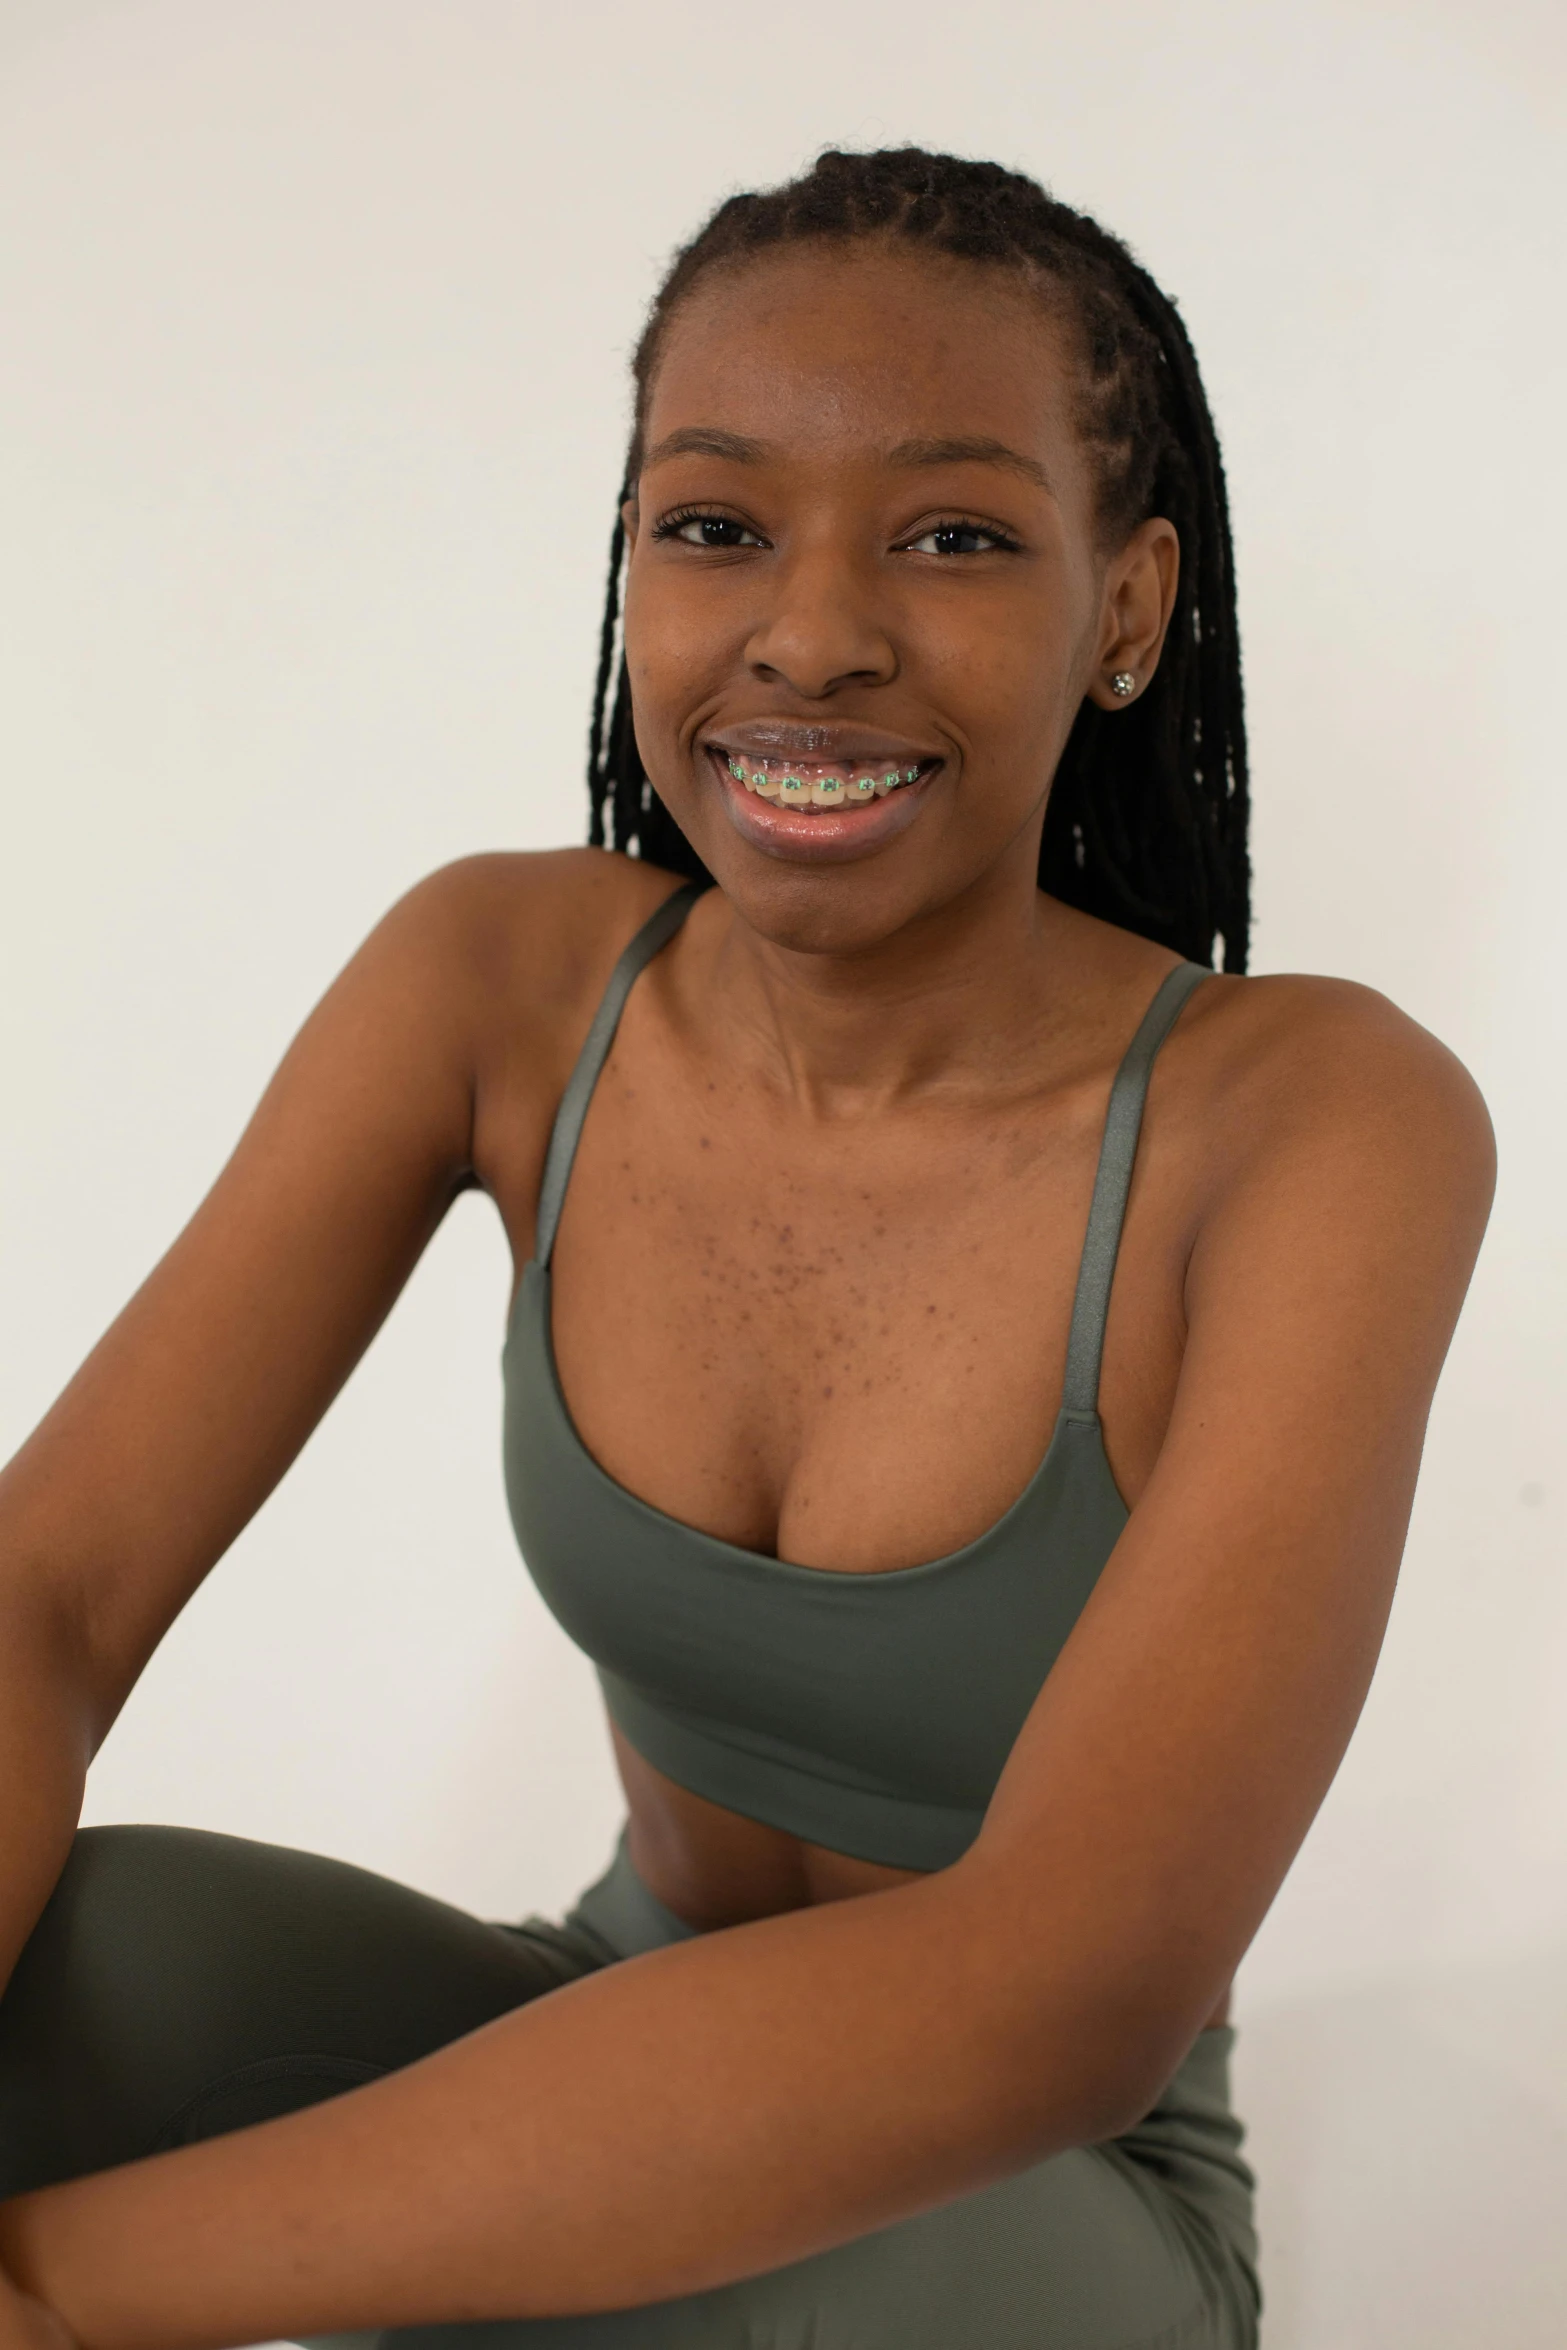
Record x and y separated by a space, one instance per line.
1106 2103
1151 2047
45 1654
1124 2098
1093 2076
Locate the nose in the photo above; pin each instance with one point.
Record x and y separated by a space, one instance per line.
821 629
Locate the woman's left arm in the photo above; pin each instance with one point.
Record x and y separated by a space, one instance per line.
743 2100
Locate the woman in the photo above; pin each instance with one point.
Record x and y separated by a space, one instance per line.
985 1546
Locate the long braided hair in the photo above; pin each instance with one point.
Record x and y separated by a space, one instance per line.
1146 824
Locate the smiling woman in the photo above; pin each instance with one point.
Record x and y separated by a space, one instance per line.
1145 825
964 1390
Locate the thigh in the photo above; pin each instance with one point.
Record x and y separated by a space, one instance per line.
180 1984
1080 2253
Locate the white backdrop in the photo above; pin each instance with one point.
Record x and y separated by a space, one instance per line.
311 409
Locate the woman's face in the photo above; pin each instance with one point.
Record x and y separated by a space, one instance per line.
866 592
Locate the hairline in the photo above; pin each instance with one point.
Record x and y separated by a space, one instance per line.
1034 276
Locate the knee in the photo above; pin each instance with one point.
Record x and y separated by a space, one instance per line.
52 2040
120 1888
117 1889
102 2012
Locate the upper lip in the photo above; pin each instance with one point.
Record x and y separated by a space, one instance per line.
828 744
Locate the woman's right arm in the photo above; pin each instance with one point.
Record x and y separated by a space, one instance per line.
189 1410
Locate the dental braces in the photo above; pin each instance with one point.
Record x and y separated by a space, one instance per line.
821 791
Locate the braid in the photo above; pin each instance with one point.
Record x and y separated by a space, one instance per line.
599 772
1147 819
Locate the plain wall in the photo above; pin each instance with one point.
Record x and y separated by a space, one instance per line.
315 318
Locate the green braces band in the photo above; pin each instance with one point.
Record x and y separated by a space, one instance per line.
792 783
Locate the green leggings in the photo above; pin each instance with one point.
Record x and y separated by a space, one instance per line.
181 1984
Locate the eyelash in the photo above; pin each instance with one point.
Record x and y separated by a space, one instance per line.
1002 541
670 526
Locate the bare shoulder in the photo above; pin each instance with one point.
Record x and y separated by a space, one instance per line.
1323 1083
516 950
516 946
1289 1050
553 919
466 1005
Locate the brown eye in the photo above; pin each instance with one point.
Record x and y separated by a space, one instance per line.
960 538
706 530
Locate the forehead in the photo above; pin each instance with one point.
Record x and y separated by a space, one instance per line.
816 348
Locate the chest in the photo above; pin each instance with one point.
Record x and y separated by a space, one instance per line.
840 1341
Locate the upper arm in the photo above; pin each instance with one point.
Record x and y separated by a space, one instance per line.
1191 1726
201 1393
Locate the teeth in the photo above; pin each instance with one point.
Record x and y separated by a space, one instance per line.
816 788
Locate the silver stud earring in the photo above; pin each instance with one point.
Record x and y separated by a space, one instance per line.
1122 684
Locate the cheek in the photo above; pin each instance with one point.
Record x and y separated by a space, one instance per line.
679 643
1008 674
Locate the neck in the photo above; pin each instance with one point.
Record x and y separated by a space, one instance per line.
957 1002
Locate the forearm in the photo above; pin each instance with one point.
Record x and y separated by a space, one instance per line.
706 2113
46 1741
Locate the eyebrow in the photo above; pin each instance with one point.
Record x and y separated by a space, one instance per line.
970 452
707 440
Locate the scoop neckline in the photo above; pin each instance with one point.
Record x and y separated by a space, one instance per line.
758 1561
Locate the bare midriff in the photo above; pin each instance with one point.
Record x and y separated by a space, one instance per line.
714 1868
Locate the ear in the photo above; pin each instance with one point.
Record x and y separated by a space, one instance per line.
628 519
1139 596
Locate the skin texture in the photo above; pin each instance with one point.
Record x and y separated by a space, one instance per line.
811 1292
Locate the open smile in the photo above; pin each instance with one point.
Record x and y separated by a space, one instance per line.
820 811
796 783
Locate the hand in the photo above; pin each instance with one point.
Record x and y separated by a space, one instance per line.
26 2324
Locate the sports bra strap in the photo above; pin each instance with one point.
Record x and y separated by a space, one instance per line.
1117 1154
656 932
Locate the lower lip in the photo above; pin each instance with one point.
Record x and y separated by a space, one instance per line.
831 836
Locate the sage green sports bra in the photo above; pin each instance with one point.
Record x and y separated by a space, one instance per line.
871 1713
